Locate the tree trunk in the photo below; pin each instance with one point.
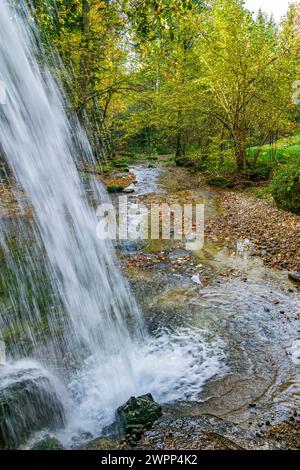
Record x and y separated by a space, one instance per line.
240 151
85 57
180 149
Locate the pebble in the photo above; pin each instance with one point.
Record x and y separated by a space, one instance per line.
196 279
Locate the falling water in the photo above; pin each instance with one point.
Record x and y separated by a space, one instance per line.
37 142
66 302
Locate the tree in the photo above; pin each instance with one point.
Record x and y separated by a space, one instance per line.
246 81
164 34
89 37
181 72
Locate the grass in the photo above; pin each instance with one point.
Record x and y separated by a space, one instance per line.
284 151
263 163
109 166
116 163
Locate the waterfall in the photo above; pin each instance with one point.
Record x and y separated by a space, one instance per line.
64 302
39 147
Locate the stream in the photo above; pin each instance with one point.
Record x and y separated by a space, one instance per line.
249 312
222 330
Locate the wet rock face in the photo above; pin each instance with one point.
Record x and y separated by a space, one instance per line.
28 402
138 414
204 432
287 433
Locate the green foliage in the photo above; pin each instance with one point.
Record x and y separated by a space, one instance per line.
214 161
285 187
246 74
89 37
263 193
152 158
121 164
203 80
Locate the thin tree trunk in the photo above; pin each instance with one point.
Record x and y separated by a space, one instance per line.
180 143
180 149
240 151
85 57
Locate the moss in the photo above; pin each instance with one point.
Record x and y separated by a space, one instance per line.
27 299
114 188
120 163
48 443
35 400
219 181
138 414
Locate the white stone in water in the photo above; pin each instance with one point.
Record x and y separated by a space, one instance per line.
196 279
295 352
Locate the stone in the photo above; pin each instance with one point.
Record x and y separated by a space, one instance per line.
138 414
118 175
114 188
28 403
295 277
48 443
128 190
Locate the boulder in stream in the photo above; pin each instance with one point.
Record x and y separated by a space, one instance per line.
138 414
48 443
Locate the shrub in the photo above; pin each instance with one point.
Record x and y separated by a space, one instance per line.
285 188
214 162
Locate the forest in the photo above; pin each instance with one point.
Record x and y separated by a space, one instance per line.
207 82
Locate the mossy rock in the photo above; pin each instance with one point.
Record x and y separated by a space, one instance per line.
114 188
28 403
48 443
138 414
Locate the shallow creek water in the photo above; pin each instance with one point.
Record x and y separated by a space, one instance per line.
252 312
